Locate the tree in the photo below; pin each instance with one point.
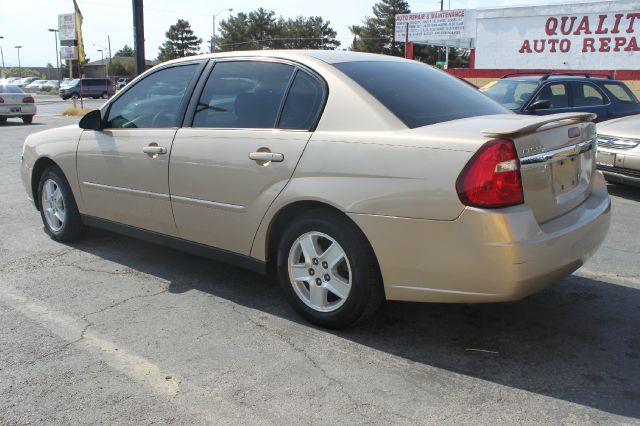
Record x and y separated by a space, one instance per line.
124 68
356 30
125 52
181 42
261 30
378 33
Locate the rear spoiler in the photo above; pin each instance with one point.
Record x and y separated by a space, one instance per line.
529 124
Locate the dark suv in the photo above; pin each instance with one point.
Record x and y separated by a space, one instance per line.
88 88
567 92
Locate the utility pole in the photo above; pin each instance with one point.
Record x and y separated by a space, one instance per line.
109 46
55 32
2 54
19 69
138 35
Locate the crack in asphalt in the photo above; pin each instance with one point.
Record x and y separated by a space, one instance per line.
332 380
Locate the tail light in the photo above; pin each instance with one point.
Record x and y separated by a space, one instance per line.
27 100
1 100
491 178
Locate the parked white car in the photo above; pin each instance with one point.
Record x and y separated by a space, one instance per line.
14 103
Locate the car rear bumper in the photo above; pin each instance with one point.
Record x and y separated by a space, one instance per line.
624 168
484 255
25 109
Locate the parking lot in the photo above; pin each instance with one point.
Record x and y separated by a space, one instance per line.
115 330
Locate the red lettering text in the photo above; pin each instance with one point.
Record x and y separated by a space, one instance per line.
615 26
536 48
632 17
601 30
620 41
553 42
604 44
632 46
551 26
565 45
525 47
583 27
587 45
563 26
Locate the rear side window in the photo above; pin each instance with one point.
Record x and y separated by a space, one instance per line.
621 92
418 94
585 94
10 89
243 94
303 103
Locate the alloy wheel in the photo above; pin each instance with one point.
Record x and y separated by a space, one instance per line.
319 271
53 205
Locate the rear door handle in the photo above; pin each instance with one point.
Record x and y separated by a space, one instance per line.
276 157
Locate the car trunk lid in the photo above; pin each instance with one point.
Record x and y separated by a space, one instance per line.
557 159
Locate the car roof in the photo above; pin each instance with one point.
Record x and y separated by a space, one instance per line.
328 56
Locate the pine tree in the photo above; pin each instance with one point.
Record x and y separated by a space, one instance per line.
181 42
378 32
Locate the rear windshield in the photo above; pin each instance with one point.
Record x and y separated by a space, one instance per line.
621 92
10 89
418 94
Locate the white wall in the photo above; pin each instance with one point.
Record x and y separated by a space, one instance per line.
509 37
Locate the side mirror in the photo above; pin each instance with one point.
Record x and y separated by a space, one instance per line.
91 121
540 104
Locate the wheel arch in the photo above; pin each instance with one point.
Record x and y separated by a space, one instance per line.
41 164
286 213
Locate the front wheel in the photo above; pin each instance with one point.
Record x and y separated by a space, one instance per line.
58 208
328 270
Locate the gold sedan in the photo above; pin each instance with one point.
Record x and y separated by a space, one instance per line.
351 177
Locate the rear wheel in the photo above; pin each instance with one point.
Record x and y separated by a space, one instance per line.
58 208
3 119
27 119
328 270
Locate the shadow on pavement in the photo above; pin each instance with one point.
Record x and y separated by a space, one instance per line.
577 341
625 191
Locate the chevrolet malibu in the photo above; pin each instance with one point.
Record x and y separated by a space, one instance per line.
351 177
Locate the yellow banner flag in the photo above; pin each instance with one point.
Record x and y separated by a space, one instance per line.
78 14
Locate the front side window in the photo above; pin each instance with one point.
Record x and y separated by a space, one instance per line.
243 94
153 102
418 94
556 93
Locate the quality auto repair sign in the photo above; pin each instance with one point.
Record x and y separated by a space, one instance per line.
604 40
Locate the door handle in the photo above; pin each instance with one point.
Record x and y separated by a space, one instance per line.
154 150
276 157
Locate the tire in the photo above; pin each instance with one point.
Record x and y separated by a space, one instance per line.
75 96
69 227
104 95
27 119
350 291
3 119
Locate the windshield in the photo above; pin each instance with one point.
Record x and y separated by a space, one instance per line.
510 93
418 94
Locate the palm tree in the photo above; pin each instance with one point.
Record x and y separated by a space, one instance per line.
356 30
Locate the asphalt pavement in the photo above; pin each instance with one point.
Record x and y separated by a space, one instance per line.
114 330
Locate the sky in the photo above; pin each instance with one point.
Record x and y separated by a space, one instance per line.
26 22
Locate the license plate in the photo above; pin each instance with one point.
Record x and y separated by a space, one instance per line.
566 175
605 158
15 109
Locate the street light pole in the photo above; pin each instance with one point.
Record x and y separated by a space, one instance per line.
102 61
55 33
19 69
213 34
